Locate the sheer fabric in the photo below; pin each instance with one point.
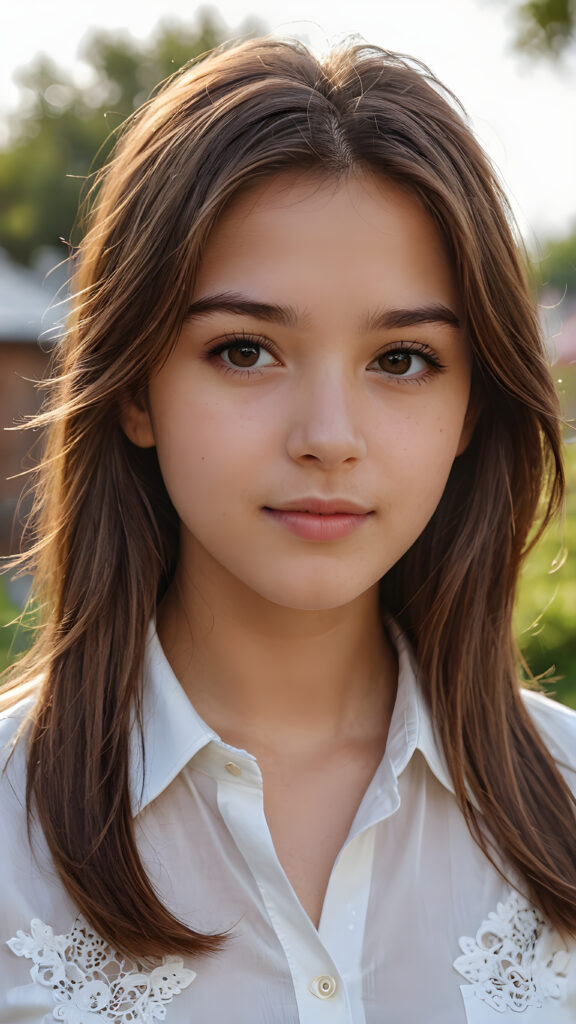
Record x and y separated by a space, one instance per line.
416 924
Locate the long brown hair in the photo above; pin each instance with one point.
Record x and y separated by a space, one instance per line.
106 534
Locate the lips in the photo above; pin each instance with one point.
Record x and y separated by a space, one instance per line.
321 507
315 519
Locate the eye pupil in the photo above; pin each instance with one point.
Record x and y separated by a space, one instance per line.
396 362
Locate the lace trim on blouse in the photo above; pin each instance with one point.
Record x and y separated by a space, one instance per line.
516 960
91 982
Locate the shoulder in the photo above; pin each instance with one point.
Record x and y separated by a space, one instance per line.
14 727
30 886
13 722
12 718
556 724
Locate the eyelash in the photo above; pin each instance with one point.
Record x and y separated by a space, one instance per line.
241 339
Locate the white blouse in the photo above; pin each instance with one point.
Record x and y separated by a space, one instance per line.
417 927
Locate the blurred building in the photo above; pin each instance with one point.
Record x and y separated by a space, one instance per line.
30 318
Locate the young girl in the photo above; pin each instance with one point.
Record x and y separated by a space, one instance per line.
268 759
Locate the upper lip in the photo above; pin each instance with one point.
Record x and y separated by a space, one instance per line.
322 506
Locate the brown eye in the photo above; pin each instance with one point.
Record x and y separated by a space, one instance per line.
243 356
397 363
410 363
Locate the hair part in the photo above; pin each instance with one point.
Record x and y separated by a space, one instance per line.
105 532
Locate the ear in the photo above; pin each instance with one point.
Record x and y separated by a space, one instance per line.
468 427
136 423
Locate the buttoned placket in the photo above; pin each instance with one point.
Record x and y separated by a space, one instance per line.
325 964
343 921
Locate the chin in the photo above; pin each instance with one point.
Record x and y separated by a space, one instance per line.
315 595
313 604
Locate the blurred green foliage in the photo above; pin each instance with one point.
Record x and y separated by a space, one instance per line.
556 267
12 639
545 27
64 129
546 608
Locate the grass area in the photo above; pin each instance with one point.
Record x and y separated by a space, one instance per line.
13 637
546 609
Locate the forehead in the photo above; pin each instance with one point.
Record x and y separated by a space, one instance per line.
312 238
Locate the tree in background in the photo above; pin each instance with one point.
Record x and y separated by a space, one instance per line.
64 129
557 269
545 27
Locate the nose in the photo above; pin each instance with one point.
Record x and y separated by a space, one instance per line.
326 426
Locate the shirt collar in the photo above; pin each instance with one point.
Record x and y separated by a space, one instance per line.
173 732
411 726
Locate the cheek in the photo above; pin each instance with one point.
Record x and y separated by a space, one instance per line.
417 459
203 457
429 438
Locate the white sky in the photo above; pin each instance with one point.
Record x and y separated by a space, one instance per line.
524 112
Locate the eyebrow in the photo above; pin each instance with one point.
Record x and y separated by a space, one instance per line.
232 302
435 313
286 316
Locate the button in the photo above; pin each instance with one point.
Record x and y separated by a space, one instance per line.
233 769
323 987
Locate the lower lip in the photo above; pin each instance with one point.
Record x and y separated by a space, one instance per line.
311 526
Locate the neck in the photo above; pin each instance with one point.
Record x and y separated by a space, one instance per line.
269 678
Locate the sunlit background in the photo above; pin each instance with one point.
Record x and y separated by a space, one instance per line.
70 73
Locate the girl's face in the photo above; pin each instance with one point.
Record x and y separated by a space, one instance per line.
308 418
